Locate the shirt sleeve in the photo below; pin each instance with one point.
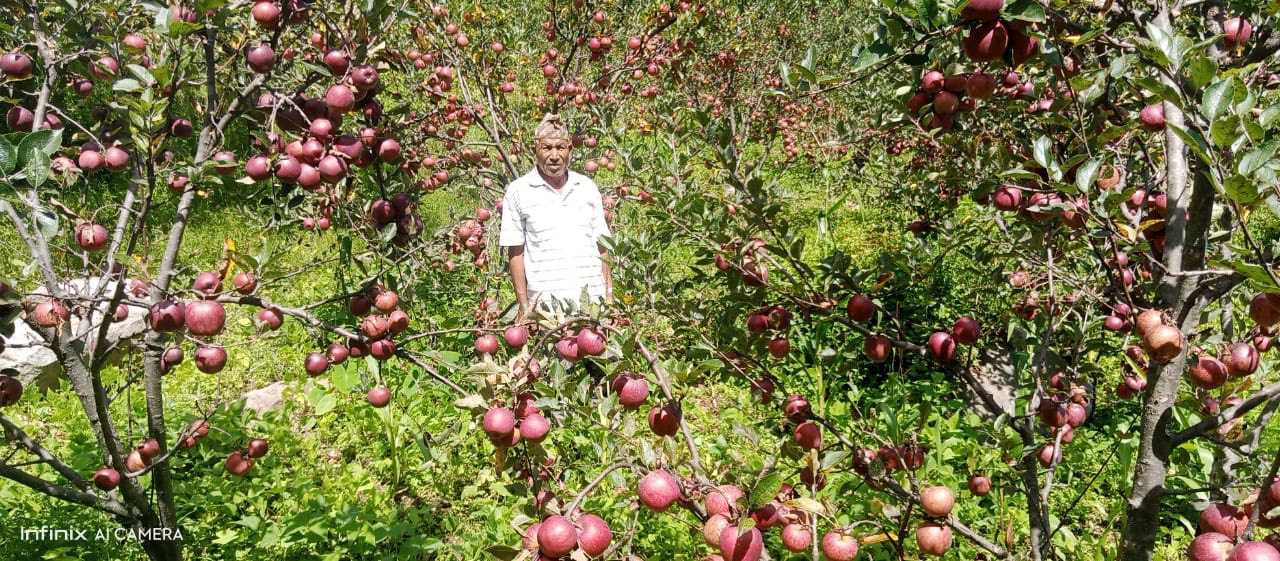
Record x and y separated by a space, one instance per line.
599 228
512 231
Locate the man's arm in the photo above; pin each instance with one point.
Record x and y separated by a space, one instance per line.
515 254
608 274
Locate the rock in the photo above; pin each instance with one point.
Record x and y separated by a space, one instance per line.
265 399
25 354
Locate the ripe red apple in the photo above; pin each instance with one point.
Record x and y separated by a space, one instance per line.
1225 519
51 313
337 353
316 363
268 318
568 349
982 10
105 67
808 435
530 537
1241 359
91 237
966 330
877 347
386 300
741 546
557 536
261 58
1022 47
205 317
1264 309
172 357
942 347
658 489
16 66
257 448
1076 416
595 536
779 347
378 396
149 449
374 327
106 478
723 499
486 344
979 485
1236 31
590 342
932 81
237 464
937 501
711 529
632 389
664 420
115 158
1152 117
337 60
266 13
1163 343
382 349
167 316
839 546
516 336
339 98
1255 551
1210 546
797 409
210 358
986 42
860 308
499 423
534 427
796 537
1049 455
934 538
135 461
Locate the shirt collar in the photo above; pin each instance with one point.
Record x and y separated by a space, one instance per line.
535 179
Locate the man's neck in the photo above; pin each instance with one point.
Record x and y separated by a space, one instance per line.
555 182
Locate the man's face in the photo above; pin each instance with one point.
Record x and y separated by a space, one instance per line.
553 155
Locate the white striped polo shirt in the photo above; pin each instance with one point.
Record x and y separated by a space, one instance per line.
559 231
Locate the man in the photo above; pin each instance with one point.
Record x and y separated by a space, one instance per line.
552 223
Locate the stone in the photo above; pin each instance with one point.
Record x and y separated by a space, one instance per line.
265 399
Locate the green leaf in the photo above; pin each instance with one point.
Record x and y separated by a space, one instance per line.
1087 174
142 74
784 71
1195 141
325 404
809 60
1200 71
1258 277
1161 90
37 169
1223 131
1241 189
38 141
1269 115
1025 10
766 489
344 377
127 85
8 156
1256 158
1043 152
1216 98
